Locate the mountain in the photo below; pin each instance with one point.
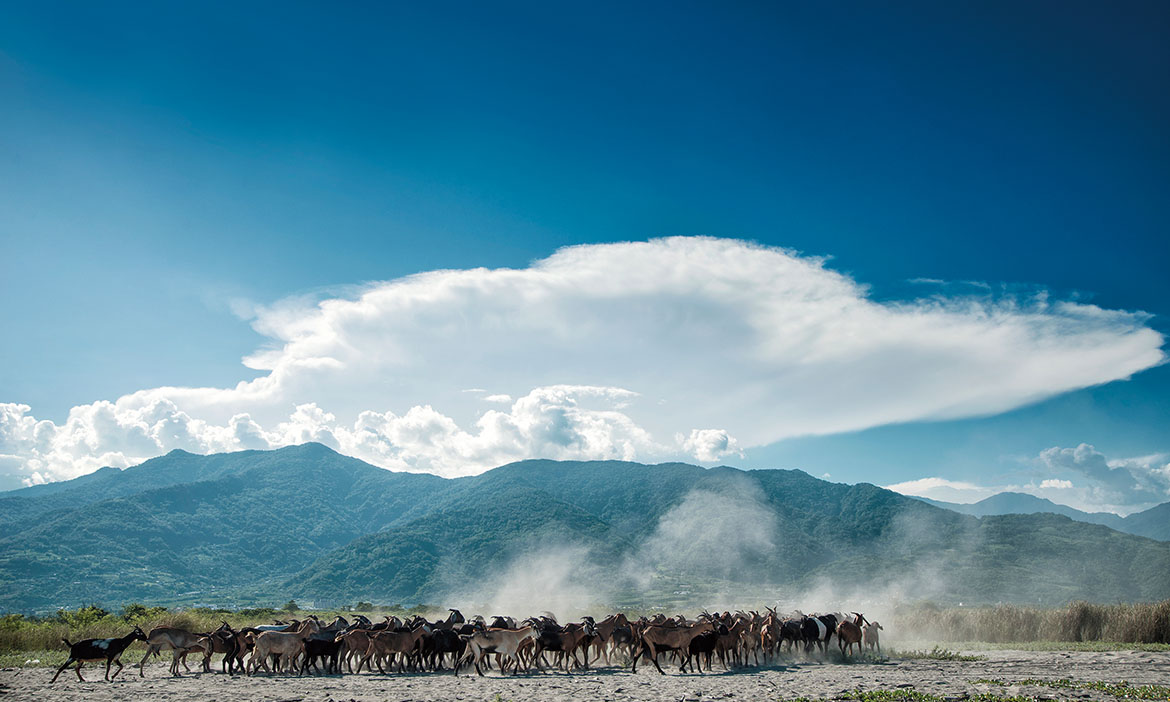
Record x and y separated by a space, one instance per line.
306 522
183 527
1153 523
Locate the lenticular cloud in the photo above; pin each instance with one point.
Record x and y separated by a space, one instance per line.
681 347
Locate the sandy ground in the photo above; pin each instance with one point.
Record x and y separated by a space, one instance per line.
803 679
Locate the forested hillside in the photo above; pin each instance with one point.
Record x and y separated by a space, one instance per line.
304 521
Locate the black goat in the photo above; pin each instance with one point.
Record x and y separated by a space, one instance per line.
109 650
702 646
327 651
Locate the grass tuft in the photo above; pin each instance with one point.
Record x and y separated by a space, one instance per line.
936 654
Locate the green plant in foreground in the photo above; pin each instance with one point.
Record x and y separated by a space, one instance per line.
1059 646
937 654
911 695
1121 690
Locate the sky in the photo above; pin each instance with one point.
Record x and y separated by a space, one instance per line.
918 244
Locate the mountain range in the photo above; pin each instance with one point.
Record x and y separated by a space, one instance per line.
259 527
1153 523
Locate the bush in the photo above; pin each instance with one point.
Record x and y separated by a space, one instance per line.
258 613
85 616
136 613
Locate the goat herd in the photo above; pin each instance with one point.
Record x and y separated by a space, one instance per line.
419 645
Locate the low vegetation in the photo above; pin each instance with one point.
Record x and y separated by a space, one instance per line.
36 641
1147 623
1089 646
911 695
936 654
1120 691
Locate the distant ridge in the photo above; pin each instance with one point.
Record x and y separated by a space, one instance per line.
1153 523
306 522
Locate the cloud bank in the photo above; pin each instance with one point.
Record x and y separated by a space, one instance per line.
1080 477
672 348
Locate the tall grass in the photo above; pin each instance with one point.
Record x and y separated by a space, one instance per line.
1147 623
1078 621
19 633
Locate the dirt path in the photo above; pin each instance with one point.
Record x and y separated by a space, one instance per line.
813 679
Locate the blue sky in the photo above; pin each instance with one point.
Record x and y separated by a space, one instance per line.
171 178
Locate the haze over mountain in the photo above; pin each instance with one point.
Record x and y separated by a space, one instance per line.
307 522
1153 523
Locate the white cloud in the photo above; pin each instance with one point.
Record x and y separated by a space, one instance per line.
945 490
504 399
1120 483
1092 482
612 350
709 445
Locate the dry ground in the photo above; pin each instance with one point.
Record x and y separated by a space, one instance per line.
951 679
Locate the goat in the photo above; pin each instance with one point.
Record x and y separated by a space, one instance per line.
505 643
503 623
223 640
444 641
830 621
655 639
328 651
869 636
279 626
178 640
202 645
455 617
354 643
109 650
605 641
848 634
565 642
388 644
790 631
289 645
814 633
324 645
702 646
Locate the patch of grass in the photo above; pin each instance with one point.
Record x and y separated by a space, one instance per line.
898 695
1121 690
43 658
911 695
1094 646
988 681
936 654
22 635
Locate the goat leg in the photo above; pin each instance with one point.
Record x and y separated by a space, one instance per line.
64 665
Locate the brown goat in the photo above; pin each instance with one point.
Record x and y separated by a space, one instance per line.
849 633
655 639
388 644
